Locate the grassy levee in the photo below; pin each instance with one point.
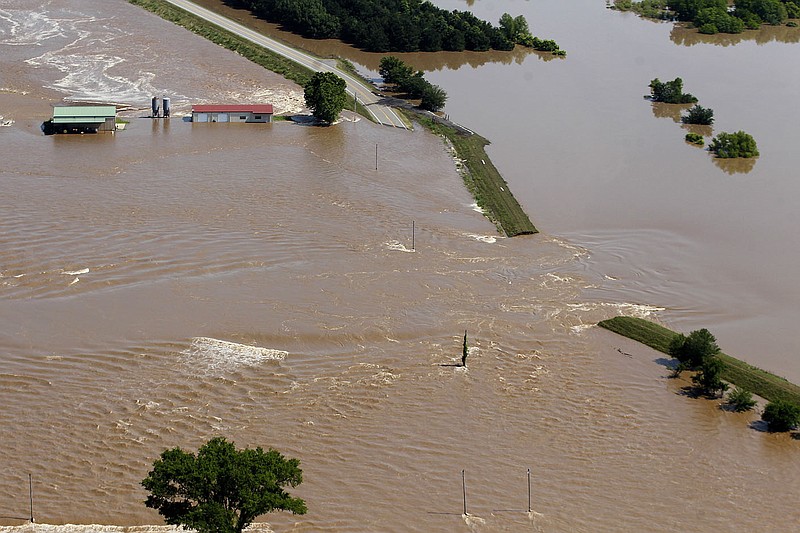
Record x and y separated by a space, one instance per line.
483 180
741 374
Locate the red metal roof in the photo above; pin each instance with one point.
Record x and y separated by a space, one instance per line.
265 109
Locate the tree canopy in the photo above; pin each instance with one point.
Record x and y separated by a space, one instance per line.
326 96
694 350
670 92
699 115
781 415
221 489
713 16
413 85
729 145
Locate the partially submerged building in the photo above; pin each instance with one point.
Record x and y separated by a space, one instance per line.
232 113
81 119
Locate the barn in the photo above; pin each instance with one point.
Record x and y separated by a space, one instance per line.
81 119
232 113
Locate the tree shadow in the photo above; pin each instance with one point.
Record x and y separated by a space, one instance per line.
699 129
760 426
664 110
735 165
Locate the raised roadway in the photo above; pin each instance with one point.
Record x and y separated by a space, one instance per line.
382 114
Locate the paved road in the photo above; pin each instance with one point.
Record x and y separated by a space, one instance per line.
382 114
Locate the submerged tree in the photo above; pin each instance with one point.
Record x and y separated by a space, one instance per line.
708 379
694 350
221 489
670 92
741 400
781 415
326 96
739 144
698 114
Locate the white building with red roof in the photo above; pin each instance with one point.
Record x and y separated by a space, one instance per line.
232 113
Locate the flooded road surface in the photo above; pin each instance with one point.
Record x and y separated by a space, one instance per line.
173 282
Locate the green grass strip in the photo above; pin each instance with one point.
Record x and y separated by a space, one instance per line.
484 181
741 374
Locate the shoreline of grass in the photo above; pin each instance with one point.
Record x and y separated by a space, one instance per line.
735 371
482 178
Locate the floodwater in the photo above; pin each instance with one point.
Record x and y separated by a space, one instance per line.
173 282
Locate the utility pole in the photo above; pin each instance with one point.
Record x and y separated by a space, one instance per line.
464 488
30 494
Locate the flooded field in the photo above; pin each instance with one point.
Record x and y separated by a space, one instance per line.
173 282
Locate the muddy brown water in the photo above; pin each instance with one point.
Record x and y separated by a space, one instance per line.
172 282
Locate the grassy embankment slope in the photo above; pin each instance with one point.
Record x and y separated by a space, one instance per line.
490 190
741 374
484 181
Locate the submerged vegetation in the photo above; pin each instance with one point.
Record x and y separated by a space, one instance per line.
730 145
695 138
715 16
699 115
395 25
670 92
744 376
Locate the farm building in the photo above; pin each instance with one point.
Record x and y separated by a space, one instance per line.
232 113
81 119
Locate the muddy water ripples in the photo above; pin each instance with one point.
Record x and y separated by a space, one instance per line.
173 282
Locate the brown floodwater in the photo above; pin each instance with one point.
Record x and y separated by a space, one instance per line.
172 282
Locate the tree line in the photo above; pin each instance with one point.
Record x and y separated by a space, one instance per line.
714 16
396 25
412 84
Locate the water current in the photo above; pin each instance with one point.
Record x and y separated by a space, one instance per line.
172 282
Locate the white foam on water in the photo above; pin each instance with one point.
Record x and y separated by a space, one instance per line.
86 61
215 354
397 246
580 328
637 310
284 100
483 238
476 207
27 28
75 272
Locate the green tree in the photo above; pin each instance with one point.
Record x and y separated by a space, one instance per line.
394 70
221 489
688 9
670 92
729 145
326 96
741 400
769 11
433 98
708 378
699 115
694 350
781 415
